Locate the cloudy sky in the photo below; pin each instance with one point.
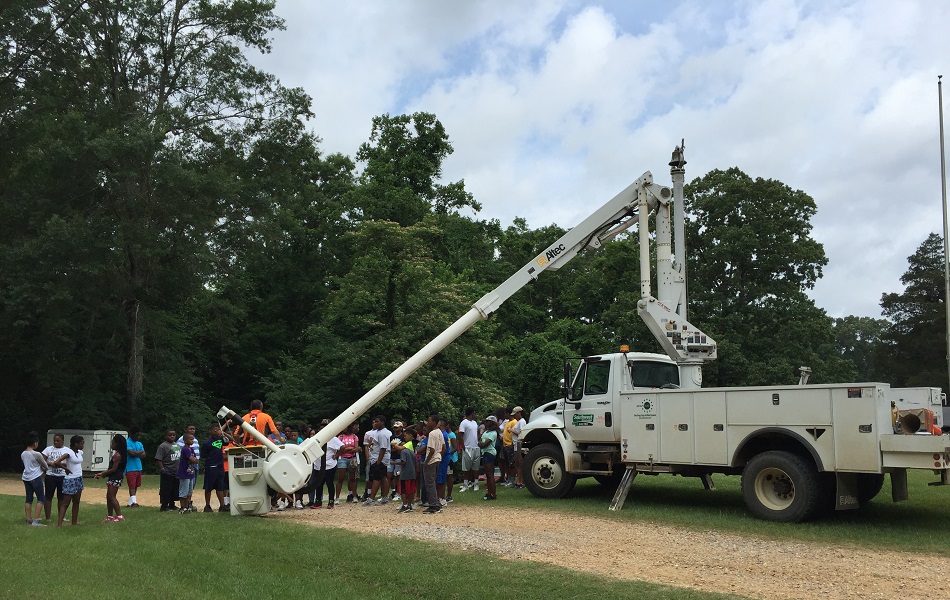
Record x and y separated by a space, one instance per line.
554 106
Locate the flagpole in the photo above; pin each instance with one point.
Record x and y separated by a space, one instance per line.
946 244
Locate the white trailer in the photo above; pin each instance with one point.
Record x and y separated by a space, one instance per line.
98 449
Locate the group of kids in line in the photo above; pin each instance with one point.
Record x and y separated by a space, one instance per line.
425 459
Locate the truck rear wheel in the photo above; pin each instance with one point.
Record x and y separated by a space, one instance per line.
869 486
781 486
544 474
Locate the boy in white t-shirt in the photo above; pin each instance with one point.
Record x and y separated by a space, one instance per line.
33 467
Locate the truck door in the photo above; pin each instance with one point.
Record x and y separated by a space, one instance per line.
590 418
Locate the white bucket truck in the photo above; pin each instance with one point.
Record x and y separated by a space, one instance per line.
798 448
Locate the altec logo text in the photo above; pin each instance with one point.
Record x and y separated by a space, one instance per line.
554 252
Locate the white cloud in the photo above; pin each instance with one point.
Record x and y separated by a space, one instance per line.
554 106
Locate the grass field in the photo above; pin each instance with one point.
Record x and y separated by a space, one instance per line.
166 555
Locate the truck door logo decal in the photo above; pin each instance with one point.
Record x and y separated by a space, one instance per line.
583 420
645 410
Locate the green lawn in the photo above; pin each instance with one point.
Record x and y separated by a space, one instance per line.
164 555
167 555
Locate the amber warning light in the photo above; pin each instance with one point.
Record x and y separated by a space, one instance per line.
625 348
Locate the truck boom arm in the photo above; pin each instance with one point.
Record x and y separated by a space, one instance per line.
288 468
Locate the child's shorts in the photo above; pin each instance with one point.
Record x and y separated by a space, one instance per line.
408 487
185 487
72 486
116 483
35 487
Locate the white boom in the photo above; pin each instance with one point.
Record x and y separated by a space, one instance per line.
288 468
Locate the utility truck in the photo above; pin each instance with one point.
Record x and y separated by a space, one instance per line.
798 448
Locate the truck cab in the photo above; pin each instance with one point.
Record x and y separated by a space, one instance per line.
580 434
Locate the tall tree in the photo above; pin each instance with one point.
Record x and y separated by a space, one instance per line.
407 274
858 339
914 350
752 258
121 127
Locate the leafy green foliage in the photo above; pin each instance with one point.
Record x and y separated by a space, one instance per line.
913 349
173 239
751 261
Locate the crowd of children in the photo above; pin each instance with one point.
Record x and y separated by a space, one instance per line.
416 465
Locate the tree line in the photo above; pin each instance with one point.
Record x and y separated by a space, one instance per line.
174 239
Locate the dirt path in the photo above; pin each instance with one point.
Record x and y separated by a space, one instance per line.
706 560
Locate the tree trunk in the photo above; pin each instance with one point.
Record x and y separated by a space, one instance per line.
135 359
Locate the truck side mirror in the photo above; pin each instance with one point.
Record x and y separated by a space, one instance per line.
566 385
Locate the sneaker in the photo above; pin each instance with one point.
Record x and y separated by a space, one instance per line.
182 511
134 505
519 486
329 506
316 506
350 498
118 519
298 505
396 498
226 509
403 509
475 487
109 519
449 499
384 500
208 509
432 510
464 487
36 523
443 501
370 502
409 508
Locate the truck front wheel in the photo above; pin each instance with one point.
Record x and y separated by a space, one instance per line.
781 486
544 474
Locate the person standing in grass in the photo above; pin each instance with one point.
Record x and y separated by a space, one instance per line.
518 413
72 484
187 473
489 454
471 455
33 467
133 468
435 446
167 457
54 475
113 476
215 476
348 463
407 473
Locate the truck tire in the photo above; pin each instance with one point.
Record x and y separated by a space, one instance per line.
781 486
869 486
543 472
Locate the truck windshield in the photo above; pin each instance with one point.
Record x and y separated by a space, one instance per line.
650 374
